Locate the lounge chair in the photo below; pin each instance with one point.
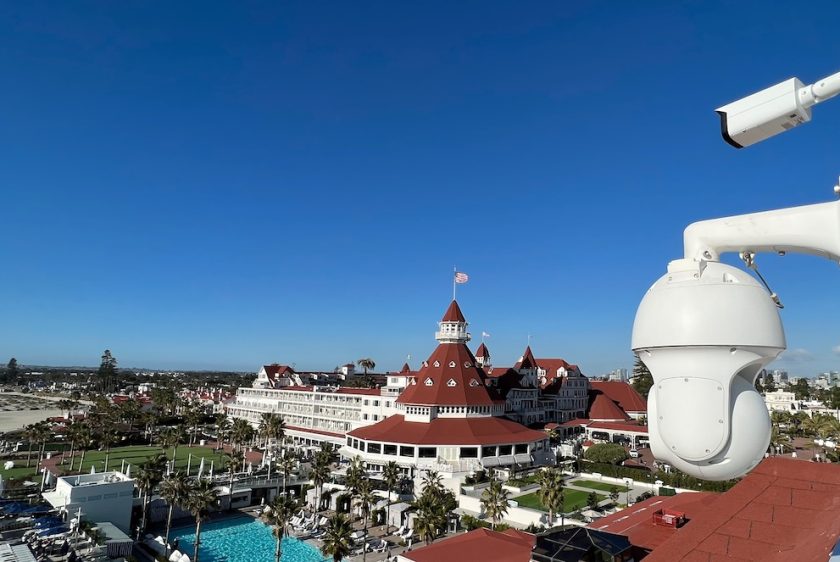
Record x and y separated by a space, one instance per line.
175 556
408 534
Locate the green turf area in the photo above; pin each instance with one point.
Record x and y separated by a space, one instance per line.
19 472
136 455
572 500
602 486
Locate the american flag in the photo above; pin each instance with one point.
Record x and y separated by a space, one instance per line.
461 277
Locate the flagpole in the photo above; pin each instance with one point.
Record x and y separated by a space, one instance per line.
454 284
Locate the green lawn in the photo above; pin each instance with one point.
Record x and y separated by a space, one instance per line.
602 486
136 455
572 500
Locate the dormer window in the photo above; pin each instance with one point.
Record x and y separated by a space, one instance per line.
437 363
467 364
474 382
425 363
452 364
451 382
429 382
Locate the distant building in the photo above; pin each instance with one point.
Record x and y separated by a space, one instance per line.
107 496
781 401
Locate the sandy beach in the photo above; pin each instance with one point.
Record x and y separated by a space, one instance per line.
20 410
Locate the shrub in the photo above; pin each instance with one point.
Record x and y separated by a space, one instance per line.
610 453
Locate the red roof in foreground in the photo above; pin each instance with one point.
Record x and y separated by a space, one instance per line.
783 510
636 522
481 544
624 394
448 431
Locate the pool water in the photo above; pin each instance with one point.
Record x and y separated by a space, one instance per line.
242 539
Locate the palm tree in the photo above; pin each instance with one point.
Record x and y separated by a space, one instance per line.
42 435
171 437
73 431
550 492
85 438
108 438
390 474
235 463
320 474
149 476
287 464
355 473
222 428
337 541
430 517
30 432
283 508
174 490
367 499
495 500
271 426
241 433
200 498
366 363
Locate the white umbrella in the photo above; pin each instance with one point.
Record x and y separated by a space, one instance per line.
128 472
2 485
92 469
250 467
201 467
211 468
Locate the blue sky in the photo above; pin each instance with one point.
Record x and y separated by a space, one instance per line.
209 185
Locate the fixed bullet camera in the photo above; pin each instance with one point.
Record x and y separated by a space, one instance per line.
773 110
706 329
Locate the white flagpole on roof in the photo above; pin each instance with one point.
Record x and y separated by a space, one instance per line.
454 283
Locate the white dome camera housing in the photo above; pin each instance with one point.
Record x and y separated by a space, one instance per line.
705 330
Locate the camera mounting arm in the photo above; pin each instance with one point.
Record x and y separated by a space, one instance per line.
809 229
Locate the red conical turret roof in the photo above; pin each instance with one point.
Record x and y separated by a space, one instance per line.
453 313
405 368
450 377
528 361
482 351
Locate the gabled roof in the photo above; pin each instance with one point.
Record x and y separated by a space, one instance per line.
482 351
448 431
783 510
450 377
552 365
622 393
274 371
480 544
601 408
405 368
453 313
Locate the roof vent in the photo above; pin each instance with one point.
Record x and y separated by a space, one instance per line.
668 518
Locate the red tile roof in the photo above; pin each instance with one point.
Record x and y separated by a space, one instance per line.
274 371
481 545
783 510
636 522
405 368
449 362
448 431
551 366
622 393
453 313
482 351
618 426
601 408
310 430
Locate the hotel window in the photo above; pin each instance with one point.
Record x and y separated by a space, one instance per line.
374 448
505 449
427 452
488 451
469 452
521 448
390 449
406 451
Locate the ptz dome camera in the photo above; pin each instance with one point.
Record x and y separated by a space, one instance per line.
705 330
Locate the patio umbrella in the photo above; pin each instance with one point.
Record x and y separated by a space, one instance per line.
128 472
201 467
92 469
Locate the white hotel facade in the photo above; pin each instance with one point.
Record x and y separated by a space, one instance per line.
450 415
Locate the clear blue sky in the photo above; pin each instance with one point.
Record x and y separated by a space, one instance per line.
221 185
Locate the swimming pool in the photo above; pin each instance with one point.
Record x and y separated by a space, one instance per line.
242 539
